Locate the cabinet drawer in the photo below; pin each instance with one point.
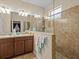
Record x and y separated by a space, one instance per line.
6 40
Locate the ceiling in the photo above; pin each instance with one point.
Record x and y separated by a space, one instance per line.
41 3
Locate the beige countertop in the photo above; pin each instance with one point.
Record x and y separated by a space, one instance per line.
27 33
11 36
45 33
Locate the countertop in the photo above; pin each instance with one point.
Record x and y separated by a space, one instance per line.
27 33
11 36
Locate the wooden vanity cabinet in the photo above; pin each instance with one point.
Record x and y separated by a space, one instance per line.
19 46
23 45
10 47
6 48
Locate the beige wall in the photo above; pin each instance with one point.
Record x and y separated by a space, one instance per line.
48 8
67 33
5 23
66 29
65 4
19 5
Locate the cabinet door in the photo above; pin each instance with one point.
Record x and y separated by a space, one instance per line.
19 46
26 45
29 44
6 48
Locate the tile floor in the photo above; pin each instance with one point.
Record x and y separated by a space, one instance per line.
27 56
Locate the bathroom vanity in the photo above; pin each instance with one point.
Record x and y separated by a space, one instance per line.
11 46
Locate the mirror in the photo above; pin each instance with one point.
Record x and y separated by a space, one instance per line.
23 23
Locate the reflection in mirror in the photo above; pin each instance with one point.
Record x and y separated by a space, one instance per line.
27 23
28 26
16 26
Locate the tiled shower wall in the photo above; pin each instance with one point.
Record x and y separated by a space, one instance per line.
67 33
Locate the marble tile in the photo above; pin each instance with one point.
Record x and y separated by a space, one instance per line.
67 33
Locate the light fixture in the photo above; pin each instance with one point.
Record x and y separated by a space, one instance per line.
37 16
26 14
7 10
47 17
2 9
22 12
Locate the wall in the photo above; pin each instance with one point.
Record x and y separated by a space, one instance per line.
48 8
66 29
66 4
63 3
67 32
1 25
19 5
5 22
